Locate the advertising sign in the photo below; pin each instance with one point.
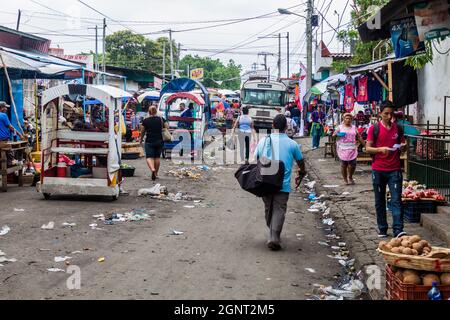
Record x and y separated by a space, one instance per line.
405 37
433 19
197 74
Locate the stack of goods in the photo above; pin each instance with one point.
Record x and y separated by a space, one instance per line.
413 265
417 199
412 190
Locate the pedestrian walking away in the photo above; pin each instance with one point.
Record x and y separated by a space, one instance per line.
317 119
291 125
246 131
385 141
286 150
347 147
152 130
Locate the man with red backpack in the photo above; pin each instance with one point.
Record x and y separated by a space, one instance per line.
385 141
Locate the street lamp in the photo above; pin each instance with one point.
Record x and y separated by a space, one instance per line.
309 41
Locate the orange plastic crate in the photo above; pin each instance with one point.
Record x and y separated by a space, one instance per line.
397 290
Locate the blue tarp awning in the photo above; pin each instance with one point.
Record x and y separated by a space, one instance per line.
26 65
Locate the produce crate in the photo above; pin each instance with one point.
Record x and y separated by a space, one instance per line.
127 172
397 290
413 209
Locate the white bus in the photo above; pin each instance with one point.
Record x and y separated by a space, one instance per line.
265 99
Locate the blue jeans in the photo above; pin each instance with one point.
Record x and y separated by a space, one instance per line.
394 180
316 140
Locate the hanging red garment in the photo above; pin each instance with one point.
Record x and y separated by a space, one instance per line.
363 94
349 100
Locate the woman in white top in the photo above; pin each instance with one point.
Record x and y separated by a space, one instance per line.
246 130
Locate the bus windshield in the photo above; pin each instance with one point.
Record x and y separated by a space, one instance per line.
263 97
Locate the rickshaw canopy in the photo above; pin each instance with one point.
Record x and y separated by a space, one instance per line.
186 95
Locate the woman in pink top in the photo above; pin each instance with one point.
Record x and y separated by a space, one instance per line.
347 147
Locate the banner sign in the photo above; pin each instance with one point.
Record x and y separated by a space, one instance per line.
433 19
405 37
197 74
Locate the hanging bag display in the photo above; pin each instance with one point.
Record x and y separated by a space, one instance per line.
263 178
167 137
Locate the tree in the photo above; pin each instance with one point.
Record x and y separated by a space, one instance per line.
362 52
216 74
127 49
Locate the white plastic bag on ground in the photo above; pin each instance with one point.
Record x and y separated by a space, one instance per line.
155 191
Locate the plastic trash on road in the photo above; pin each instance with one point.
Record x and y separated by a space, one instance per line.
62 259
311 270
154 191
67 224
4 230
175 232
48 226
55 270
328 221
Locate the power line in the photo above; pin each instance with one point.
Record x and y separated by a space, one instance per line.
104 15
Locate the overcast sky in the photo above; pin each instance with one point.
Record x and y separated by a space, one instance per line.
46 19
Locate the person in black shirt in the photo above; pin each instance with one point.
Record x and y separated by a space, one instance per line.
152 129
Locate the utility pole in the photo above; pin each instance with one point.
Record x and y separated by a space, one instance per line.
96 64
178 56
164 63
171 54
287 55
104 51
18 20
279 56
309 44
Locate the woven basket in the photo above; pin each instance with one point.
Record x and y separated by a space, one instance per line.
417 262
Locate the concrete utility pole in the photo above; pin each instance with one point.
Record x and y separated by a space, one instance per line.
96 64
178 56
104 51
171 54
309 44
18 20
279 56
287 55
164 62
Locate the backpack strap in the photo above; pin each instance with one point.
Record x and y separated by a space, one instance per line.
376 132
401 133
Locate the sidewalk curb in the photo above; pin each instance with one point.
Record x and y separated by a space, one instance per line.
345 230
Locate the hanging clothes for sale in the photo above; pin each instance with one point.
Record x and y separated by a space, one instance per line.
341 91
404 84
374 90
349 100
362 95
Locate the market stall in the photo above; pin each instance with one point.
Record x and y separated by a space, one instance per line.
415 270
93 168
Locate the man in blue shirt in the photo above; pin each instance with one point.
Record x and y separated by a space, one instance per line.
286 150
5 126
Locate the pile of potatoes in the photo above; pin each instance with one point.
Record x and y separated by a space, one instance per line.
421 278
410 245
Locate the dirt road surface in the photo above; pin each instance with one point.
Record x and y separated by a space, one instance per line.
222 253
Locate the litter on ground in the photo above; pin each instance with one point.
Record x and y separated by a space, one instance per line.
62 259
18 210
175 232
5 230
310 270
55 270
68 224
48 226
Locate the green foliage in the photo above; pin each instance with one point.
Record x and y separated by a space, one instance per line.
127 49
214 70
362 52
419 61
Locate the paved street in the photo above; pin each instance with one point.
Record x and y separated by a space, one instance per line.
220 255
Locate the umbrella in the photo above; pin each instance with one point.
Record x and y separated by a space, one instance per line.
150 95
319 88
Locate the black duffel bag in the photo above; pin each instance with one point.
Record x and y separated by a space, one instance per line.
263 178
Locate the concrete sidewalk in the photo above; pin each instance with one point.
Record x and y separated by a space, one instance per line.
354 213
